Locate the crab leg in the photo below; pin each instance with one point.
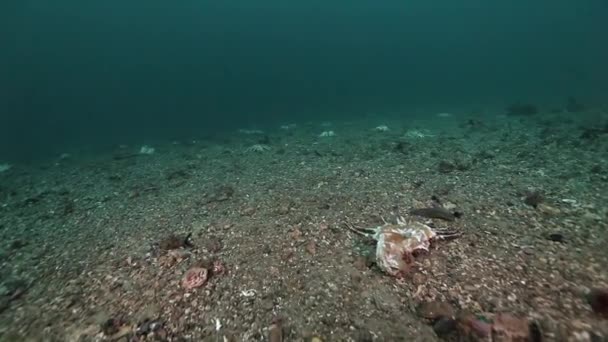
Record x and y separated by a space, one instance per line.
367 232
445 234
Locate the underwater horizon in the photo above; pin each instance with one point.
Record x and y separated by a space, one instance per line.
78 74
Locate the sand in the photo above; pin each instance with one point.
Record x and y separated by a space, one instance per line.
83 255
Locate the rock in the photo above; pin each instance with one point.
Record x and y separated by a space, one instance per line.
534 198
444 326
175 241
435 310
434 212
111 326
556 237
598 299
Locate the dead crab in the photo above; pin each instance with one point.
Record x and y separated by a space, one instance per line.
398 244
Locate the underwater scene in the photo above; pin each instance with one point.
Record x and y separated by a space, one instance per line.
307 171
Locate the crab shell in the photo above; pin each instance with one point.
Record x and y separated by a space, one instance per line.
398 243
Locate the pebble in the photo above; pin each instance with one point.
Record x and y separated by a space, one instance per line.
444 326
311 248
598 300
284 209
557 237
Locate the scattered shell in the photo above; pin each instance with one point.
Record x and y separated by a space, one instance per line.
195 277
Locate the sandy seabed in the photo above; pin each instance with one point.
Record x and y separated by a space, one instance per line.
95 247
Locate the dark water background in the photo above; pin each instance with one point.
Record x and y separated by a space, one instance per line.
77 73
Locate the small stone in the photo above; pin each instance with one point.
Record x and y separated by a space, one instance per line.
444 326
556 237
311 248
598 299
533 198
296 233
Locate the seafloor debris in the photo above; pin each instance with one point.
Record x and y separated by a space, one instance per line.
176 241
115 327
557 237
435 212
533 198
398 244
195 277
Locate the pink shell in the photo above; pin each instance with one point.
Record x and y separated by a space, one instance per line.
195 277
